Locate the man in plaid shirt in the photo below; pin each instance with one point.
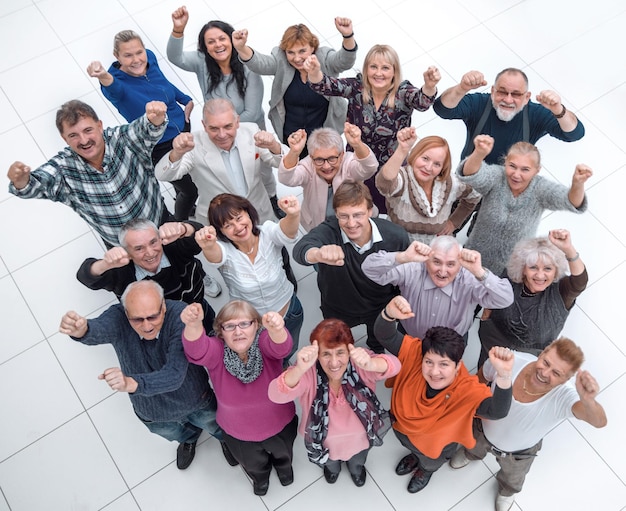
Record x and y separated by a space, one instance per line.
105 175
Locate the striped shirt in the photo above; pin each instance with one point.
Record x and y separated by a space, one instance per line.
124 190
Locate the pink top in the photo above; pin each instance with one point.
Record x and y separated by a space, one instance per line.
244 410
346 435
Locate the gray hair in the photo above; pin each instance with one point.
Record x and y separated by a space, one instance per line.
445 243
136 224
512 71
529 251
324 138
123 37
217 106
144 285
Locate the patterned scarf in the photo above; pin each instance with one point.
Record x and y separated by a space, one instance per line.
249 371
375 419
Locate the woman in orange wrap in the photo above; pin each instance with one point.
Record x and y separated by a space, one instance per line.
434 398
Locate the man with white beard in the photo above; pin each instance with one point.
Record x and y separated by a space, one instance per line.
496 114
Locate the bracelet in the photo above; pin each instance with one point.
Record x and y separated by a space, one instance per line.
484 276
563 112
386 315
184 227
572 259
348 36
177 32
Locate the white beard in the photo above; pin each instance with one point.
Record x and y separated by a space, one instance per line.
505 115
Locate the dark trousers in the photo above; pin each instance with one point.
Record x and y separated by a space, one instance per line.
258 458
355 464
428 464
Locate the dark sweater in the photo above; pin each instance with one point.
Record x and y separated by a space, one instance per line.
345 290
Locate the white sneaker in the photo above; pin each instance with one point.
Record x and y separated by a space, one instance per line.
212 287
459 460
504 502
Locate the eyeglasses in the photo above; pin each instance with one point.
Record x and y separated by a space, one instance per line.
229 327
150 319
501 93
344 217
320 161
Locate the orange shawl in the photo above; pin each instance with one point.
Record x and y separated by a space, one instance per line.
431 424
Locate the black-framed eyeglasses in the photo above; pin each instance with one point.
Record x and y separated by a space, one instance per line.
320 161
504 93
153 318
229 327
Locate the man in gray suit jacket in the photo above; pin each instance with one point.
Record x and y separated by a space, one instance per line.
224 158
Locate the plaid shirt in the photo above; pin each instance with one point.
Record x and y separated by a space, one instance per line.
124 190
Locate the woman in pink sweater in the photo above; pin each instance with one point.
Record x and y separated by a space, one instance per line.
242 357
335 382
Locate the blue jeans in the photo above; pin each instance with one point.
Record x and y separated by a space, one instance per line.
293 322
189 428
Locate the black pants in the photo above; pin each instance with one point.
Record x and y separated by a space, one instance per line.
258 458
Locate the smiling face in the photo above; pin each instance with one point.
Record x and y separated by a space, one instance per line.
354 221
145 311
218 44
298 53
144 248
222 128
539 276
443 267
428 165
132 58
86 139
549 371
238 228
334 361
241 337
324 168
439 372
509 95
380 73
520 170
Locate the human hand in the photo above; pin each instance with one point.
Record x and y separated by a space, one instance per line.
344 25
581 173
360 357
307 356
416 252
562 239
96 70
352 133
264 139
116 257
192 315
447 229
116 379
180 17
586 385
471 260
551 100
183 143
297 141
290 205
172 231
431 77
502 361
206 237
73 324
156 112
472 80
483 145
240 39
331 255
399 308
406 139
273 321
311 65
19 174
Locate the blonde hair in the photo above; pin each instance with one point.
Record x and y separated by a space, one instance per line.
234 309
389 54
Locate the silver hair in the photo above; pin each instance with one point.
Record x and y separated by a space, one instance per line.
529 251
445 243
137 224
324 138
217 106
139 285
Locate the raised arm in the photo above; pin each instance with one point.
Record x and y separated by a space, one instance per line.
483 144
471 80
240 42
19 174
207 240
353 137
588 409
562 239
297 143
552 101
275 326
289 225
576 193
407 137
192 317
96 70
305 359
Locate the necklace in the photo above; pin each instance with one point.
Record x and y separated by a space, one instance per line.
251 250
526 293
534 394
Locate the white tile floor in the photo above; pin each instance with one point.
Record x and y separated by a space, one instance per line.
68 443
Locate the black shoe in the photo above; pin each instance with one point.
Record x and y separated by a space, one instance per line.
285 478
277 211
228 455
359 480
331 477
184 455
260 489
407 465
419 480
